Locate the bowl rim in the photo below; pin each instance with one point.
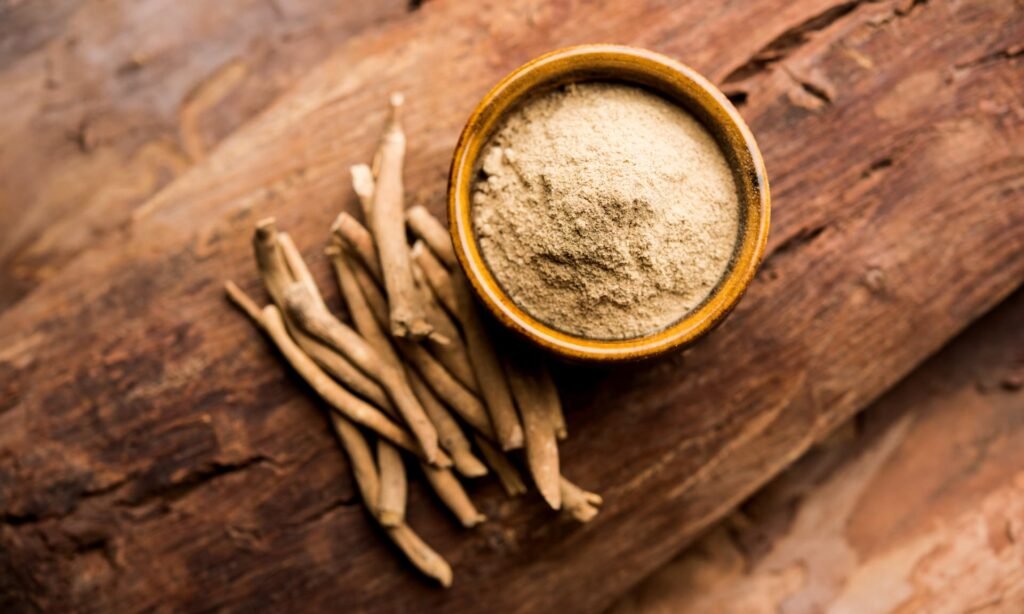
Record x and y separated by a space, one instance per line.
615 61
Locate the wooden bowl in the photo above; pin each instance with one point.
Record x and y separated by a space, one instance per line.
673 81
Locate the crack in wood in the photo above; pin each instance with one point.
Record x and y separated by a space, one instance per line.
800 238
790 40
1009 53
194 480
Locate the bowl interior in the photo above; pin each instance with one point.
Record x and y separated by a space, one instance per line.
672 81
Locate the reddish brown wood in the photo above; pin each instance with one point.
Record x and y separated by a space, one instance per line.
152 451
916 507
104 103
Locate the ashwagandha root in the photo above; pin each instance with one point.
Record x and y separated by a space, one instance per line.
297 265
451 493
448 430
511 481
362 185
578 503
436 276
380 377
349 405
393 489
493 385
450 390
422 556
433 233
276 261
541 443
348 232
315 319
357 239
386 220
341 369
375 299
551 402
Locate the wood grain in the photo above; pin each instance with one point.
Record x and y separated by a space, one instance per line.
103 103
153 451
915 507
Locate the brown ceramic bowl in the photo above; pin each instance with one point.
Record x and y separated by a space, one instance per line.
673 81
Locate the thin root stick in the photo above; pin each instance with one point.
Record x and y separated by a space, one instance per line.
448 388
318 321
357 238
541 443
272 256
453 291
337 397
448 430
297 265
407 317
493 385
361 459
392 498
362 185
345 402
433 233
453 354
578 503
341 369
454 496
241 300
422 556
508 475
552 403
436 276
371 292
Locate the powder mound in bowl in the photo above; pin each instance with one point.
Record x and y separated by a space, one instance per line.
605 211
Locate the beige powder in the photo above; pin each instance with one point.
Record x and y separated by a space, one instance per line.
605 211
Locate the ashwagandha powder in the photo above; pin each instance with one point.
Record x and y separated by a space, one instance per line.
605 210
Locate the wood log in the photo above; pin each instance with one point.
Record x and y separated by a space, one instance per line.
915 507
153 452
106 102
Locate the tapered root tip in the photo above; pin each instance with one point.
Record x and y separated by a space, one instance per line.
471 522
552 495
362 179
514 440
469 466
241 300
445 577
339 221
397 99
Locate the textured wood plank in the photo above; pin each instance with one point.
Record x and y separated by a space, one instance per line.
152 451
916 507
104 103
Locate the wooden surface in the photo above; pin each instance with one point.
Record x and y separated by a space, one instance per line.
153 452
104 103
917 506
